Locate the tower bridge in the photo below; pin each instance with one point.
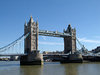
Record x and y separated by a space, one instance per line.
31 54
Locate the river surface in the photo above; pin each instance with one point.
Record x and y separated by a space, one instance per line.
49 68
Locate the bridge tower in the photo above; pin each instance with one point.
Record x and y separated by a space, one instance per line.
31 41
70 46
33 56
70 41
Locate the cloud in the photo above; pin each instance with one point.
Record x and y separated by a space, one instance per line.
50 43
80 39
89 41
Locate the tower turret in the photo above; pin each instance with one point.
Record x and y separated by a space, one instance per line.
31 20
25 23
37 30
69 29
25 27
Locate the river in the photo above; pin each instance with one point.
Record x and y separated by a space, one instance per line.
49 68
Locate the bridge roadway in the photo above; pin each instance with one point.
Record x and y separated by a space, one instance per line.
21 54
55 55
12 54
53 33
26 54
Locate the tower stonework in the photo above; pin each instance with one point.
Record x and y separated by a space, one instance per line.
33 56
70 41
31 41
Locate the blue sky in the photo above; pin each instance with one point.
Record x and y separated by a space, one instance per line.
52 15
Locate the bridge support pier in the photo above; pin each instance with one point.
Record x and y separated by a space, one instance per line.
75 58
34 58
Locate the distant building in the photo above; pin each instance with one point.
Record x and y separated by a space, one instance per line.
96 50
14 58
56 52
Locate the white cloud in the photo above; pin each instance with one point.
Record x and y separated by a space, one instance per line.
50 43
80 39
89 41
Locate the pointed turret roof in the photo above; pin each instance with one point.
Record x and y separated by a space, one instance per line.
25 23
31 19
37 22
69 29
69 26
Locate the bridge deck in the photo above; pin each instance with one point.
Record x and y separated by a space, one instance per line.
53 33
12 54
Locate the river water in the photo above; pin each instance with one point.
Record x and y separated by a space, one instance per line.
49 68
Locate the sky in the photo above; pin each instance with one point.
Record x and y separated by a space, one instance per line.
52 15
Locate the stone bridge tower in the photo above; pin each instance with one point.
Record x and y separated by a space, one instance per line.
70 46
33 56
31 41
70 41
